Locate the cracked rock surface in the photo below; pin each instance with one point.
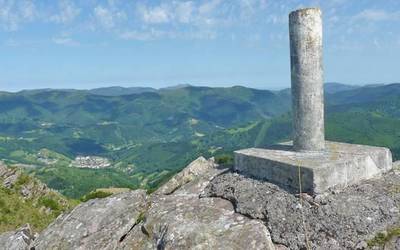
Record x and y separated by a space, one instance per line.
96 224
208 207
345 220
17 240
179 219
174 217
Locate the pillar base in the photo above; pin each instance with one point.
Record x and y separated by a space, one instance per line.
338 166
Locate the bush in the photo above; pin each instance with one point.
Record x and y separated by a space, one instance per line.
2 203
22 179
382 238
94 195
224 159
50 203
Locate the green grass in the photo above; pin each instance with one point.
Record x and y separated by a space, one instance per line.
95 195
16 211
76 182
224 159
50 203
381 239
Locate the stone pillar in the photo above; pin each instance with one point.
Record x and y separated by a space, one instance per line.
305 28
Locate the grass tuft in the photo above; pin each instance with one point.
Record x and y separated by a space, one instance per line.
383 238
95 195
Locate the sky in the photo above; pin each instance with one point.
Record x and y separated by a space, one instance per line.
157 43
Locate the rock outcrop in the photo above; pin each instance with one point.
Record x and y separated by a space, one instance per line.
96 224
179 219
207 207
174 217
345 220
25 200
18 240
28 187
8 175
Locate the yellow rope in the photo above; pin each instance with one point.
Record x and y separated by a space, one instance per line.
301 209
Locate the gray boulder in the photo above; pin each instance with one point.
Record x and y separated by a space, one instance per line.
17 240
96 224
345 220
206 207
187 222
174 217
198 174
179 219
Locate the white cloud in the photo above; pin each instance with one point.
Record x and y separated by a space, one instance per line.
65 40
181 12
67 12
145 35
28 10
104 16
158 14
14 13
108 17
184 11
183 19
377 15
209 7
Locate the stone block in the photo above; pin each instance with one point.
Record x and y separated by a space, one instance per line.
338 166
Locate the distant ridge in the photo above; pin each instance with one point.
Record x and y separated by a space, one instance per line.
120 91
178 86
329 87
334 87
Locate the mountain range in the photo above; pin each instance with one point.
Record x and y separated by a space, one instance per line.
150 134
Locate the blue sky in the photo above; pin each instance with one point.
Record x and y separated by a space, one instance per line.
93 43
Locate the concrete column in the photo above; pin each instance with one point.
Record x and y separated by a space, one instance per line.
305 28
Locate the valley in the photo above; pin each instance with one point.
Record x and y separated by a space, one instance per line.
77 141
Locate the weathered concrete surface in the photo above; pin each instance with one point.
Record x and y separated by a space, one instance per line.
340 165
305 28
17 240
96 224
340 220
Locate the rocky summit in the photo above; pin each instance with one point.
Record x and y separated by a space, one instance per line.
207 206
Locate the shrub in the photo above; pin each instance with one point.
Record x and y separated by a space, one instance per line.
94 195
224 159
382 238
22 179
50 203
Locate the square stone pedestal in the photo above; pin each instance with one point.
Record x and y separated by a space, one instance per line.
341 164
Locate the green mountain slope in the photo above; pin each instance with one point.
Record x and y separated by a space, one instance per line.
23 199
149 136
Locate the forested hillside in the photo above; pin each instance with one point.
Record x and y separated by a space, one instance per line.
150 135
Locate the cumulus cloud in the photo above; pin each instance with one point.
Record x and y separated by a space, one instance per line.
67 12
109 16
182 19
15 13
185 12
187 19
157 14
